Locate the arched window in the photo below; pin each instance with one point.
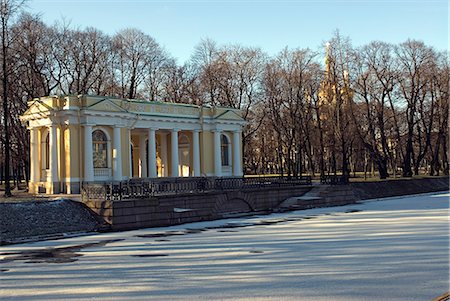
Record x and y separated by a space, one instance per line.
100 149
225 150
184 156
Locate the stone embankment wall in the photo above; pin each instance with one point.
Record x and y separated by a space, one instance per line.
184 208
390 188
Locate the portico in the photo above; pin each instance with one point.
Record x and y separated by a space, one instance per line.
93 138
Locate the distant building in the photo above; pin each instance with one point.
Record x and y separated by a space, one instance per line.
94 138
335 87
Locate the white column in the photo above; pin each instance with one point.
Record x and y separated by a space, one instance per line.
237 169
217 154
152 172
53 157
34 155
196 152
142 159
130 158
88 154
117 155
174 165
163 140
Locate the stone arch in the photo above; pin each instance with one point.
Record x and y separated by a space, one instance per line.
234 202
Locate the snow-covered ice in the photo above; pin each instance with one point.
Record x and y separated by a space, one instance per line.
393 249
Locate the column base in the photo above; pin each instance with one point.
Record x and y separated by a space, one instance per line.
46 187
33 187
53 188
71 187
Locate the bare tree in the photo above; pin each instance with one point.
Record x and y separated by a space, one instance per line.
159 66
181 85
38 74
315 128
338 96
81 59
414 59
287 84
204 61
8 12
239 79
231 76
132 48
440 92
375 79
426 110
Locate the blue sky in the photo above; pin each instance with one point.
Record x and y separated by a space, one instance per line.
270 25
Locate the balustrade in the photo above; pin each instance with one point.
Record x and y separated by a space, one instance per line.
102 172
148 187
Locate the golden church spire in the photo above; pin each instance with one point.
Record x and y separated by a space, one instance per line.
327 57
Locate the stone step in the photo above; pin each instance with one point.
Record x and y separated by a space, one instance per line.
320 196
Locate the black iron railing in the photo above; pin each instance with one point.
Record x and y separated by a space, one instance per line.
334 180
147 187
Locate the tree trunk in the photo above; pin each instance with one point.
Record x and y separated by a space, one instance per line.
345 170
407 170
434 164
444 157
382 169
6 112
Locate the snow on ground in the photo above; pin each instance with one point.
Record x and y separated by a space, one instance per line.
394 249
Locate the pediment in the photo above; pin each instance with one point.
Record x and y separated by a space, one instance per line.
106 105
229 115
37 107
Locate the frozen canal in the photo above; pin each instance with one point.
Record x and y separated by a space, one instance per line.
395 249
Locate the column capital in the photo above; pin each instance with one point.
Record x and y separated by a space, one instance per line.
196 131
175 130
